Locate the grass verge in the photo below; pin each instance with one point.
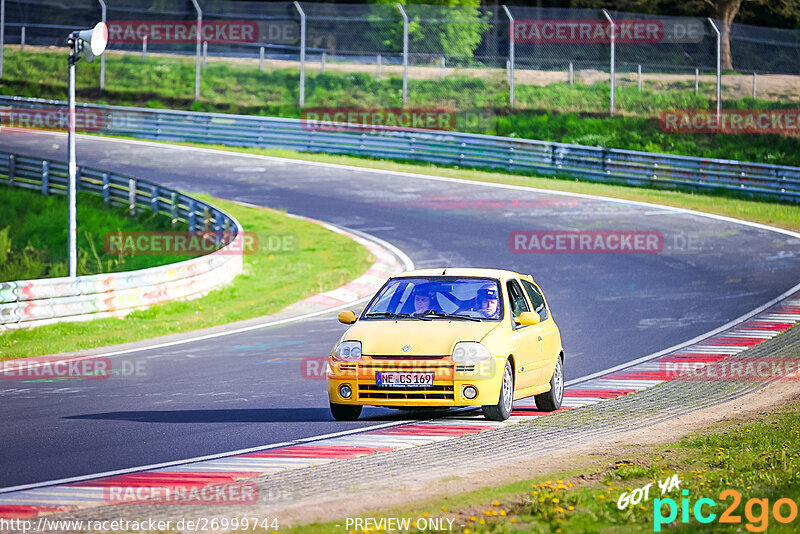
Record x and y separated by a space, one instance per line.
33 236
761 211
272 279
555 112
757 457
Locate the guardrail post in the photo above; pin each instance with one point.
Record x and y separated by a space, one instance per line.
405 54
132 196
261 59
322 62
696 81
174 208
45 178
510 56
226 230
205 53
302 53
192 216
144 48
197 51
378 68
12 168
217 227
106 188
102 56
22 40
639 73
154 198
570 73
754 84
206 219
612 64
441 62
719 67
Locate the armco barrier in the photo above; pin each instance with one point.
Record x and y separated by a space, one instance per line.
547 158
50 300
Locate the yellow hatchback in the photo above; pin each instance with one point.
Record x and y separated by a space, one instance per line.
449 337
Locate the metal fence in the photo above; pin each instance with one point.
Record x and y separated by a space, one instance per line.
454 57
451 148
29 303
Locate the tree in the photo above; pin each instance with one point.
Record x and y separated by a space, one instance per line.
448 27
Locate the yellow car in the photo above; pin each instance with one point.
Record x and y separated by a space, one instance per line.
449 337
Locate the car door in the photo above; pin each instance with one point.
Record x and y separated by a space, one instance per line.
527 349
548 331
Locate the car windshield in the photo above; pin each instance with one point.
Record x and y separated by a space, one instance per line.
437 297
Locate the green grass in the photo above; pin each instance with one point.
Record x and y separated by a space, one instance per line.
557 112
761 211
758 457
272 279
33 235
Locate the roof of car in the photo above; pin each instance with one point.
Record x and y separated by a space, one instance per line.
463 271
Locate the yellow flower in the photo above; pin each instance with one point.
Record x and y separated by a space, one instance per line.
495 503
473 518
503 513
570 508
482 522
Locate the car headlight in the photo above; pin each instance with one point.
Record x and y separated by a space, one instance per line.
470 351
348 351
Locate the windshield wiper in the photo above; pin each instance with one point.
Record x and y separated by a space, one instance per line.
443 315
390 315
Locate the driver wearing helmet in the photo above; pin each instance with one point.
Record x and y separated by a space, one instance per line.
423 298
488 302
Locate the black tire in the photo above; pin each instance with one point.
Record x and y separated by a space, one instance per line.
502 410
345 412
551 401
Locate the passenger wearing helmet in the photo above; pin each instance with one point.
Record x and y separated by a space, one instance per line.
488 302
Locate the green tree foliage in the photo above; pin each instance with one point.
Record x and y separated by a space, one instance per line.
449 27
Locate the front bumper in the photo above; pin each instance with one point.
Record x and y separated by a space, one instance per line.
449 382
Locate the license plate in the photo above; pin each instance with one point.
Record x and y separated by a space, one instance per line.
404 380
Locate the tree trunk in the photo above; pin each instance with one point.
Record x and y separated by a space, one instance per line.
726 12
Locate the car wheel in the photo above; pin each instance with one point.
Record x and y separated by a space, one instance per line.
551 401
345 412
502 410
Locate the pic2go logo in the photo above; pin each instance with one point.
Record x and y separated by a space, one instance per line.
756 511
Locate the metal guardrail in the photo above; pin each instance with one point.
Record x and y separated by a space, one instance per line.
44 301
453 148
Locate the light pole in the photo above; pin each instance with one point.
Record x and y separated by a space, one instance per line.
96 39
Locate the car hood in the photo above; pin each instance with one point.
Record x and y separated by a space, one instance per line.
424 338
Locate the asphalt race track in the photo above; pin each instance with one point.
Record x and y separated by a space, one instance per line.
246 390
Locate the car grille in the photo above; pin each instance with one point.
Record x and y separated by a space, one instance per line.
405 357
347 366
465 368
372 391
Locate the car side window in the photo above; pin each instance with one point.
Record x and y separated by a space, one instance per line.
516 298
537 299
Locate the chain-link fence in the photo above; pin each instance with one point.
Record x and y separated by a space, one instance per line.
485 60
